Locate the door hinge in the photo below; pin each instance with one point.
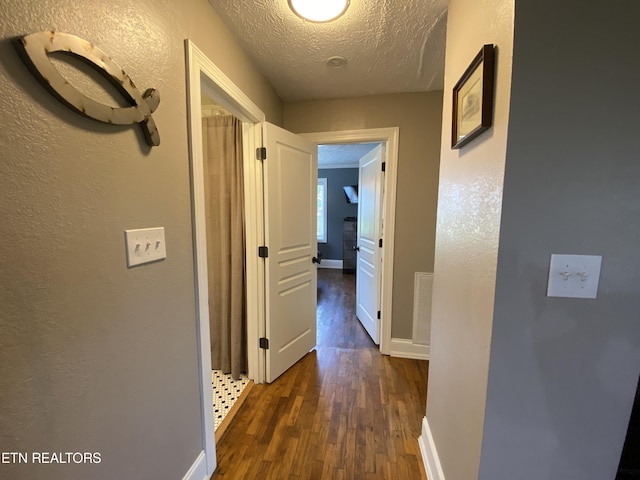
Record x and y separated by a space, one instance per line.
384 166
378 314
380 243
263 252
264 343
261 153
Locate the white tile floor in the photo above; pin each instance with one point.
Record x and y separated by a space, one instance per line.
226 391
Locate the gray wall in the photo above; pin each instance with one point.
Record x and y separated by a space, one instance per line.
337 208
94 356
564 371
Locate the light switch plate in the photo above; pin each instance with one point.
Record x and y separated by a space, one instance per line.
145 245
574 276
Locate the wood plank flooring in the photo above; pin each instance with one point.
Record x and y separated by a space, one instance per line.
343 412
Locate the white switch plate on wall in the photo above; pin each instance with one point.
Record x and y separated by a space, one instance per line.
145 245
574 276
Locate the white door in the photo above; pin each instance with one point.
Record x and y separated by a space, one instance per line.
290 182
369 262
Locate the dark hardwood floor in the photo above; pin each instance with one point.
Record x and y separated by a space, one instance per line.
342 412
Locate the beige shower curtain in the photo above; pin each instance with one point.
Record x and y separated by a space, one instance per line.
224 199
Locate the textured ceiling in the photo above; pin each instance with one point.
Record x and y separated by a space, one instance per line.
343 155
391 46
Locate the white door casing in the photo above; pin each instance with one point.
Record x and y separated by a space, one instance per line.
369 266
290 178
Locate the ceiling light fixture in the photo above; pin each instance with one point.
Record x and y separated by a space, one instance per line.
319 10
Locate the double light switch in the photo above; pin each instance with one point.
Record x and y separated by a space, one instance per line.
575 276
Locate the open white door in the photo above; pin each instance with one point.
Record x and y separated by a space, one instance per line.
369 266
290 182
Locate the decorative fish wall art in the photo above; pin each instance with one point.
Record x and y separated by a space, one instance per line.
34 50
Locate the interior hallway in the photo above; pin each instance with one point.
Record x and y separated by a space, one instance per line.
342 412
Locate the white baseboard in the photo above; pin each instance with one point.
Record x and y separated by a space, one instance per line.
326 263
198 470
429 453
404 348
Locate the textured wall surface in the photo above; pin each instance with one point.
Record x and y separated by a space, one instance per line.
418 116
469 209
94 356
564 371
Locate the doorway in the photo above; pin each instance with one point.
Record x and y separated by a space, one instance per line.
349 197
203 75
388 138
226 253
280 190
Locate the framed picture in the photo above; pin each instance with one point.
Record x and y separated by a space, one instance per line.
473 99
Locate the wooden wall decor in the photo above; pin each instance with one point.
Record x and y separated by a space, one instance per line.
34 50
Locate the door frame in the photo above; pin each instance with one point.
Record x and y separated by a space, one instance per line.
224 92
389 136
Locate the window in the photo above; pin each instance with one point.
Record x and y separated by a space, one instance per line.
322 210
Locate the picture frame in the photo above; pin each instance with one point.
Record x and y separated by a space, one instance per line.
473 98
